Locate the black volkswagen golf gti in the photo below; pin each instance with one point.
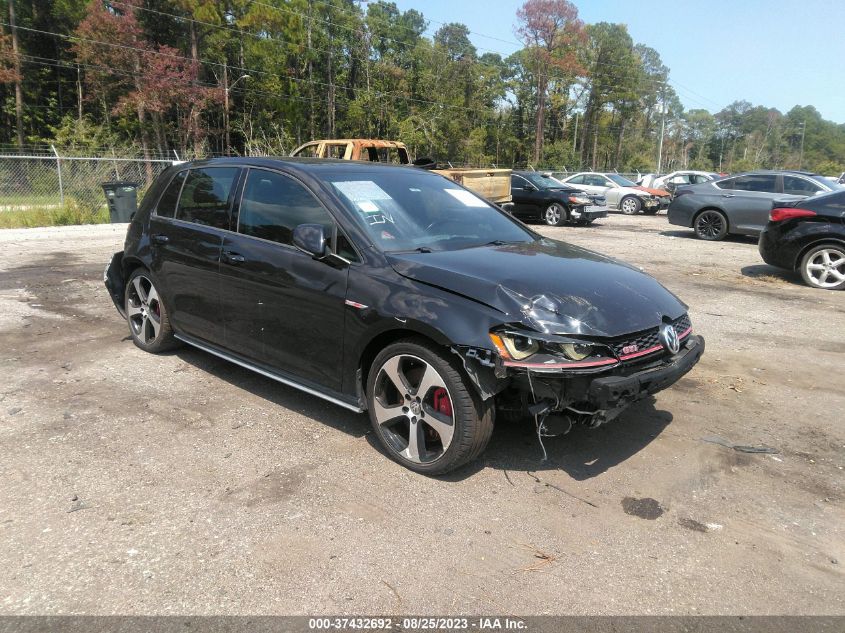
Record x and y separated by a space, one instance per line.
394 290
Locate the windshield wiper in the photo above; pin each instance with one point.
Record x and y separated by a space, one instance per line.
501 242
418 249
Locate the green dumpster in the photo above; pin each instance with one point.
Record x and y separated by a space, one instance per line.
122 198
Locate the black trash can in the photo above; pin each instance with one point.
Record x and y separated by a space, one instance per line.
122 198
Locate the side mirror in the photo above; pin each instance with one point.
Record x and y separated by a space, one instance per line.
311 239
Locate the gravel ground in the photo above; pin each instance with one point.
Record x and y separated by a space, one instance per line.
140 484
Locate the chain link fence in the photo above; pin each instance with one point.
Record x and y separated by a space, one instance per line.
46 185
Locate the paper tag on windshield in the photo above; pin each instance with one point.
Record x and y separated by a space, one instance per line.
466 197
367 206
361 190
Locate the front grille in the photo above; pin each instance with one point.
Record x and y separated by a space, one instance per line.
636 345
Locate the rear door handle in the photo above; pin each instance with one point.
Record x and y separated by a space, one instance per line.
729 195
233 258
160 238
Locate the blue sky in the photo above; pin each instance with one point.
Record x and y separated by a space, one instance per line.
776 53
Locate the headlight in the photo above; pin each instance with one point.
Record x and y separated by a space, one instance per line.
515 346
579 200
576 351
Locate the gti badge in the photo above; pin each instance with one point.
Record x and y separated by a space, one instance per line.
669 338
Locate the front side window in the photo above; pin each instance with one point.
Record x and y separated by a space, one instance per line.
166 207
273 205
205 196
406 210
576 180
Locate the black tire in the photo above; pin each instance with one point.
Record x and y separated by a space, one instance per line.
651 211
471 419
823 267
630 205
555 214
710 225
144 311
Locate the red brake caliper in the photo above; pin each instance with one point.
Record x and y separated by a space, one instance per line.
441 401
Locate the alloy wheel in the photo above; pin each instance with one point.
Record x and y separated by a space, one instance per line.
553 215
710 225
143 308
826 268
630 206
413 409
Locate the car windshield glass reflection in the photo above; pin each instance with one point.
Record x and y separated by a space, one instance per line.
421 211
544 182
619 180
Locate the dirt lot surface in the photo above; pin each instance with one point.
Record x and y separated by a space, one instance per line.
183 484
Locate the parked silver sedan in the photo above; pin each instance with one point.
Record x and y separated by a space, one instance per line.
620 192
741 204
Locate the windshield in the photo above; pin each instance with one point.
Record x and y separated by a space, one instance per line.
619 180
406 210
829 182
544 182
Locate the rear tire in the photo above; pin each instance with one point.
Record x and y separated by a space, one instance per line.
149 323
710 225
630 205
423 409
823 267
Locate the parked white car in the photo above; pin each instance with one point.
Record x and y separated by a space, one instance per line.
619 192
672 181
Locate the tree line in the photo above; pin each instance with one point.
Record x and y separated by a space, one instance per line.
207 77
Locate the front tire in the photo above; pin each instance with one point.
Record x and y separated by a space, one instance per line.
824 267
555 214
630 205
710 225
423 409
149 323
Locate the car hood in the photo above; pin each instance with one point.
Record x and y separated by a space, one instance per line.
548 286
655 192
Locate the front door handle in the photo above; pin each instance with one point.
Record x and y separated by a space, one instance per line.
729 195
233 258
160 238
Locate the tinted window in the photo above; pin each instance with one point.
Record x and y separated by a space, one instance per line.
517 182
273 205
727 183
167 204
800 186
205 196
754 182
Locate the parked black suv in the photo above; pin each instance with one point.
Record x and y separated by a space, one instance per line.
394 290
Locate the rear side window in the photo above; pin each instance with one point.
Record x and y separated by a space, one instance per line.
576 180
167 204
800 186
763 183
273 205
205 196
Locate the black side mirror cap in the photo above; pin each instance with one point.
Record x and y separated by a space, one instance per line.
311 239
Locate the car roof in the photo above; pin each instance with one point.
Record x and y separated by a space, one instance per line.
305 164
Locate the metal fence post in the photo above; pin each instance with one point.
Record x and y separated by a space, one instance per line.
59 169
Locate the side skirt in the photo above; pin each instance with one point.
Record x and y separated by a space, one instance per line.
331 396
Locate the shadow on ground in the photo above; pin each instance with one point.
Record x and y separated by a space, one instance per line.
766 272
730 239
583 453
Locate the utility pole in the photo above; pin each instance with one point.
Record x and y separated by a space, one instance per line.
575 138
226 89
801 155
662 130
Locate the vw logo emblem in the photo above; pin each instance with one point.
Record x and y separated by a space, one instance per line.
669 338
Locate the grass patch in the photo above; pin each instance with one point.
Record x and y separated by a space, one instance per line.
69 214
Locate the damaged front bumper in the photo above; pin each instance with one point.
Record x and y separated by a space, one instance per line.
592 395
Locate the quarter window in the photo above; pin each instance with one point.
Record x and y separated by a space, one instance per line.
273 205
167 204
205 196
799 186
